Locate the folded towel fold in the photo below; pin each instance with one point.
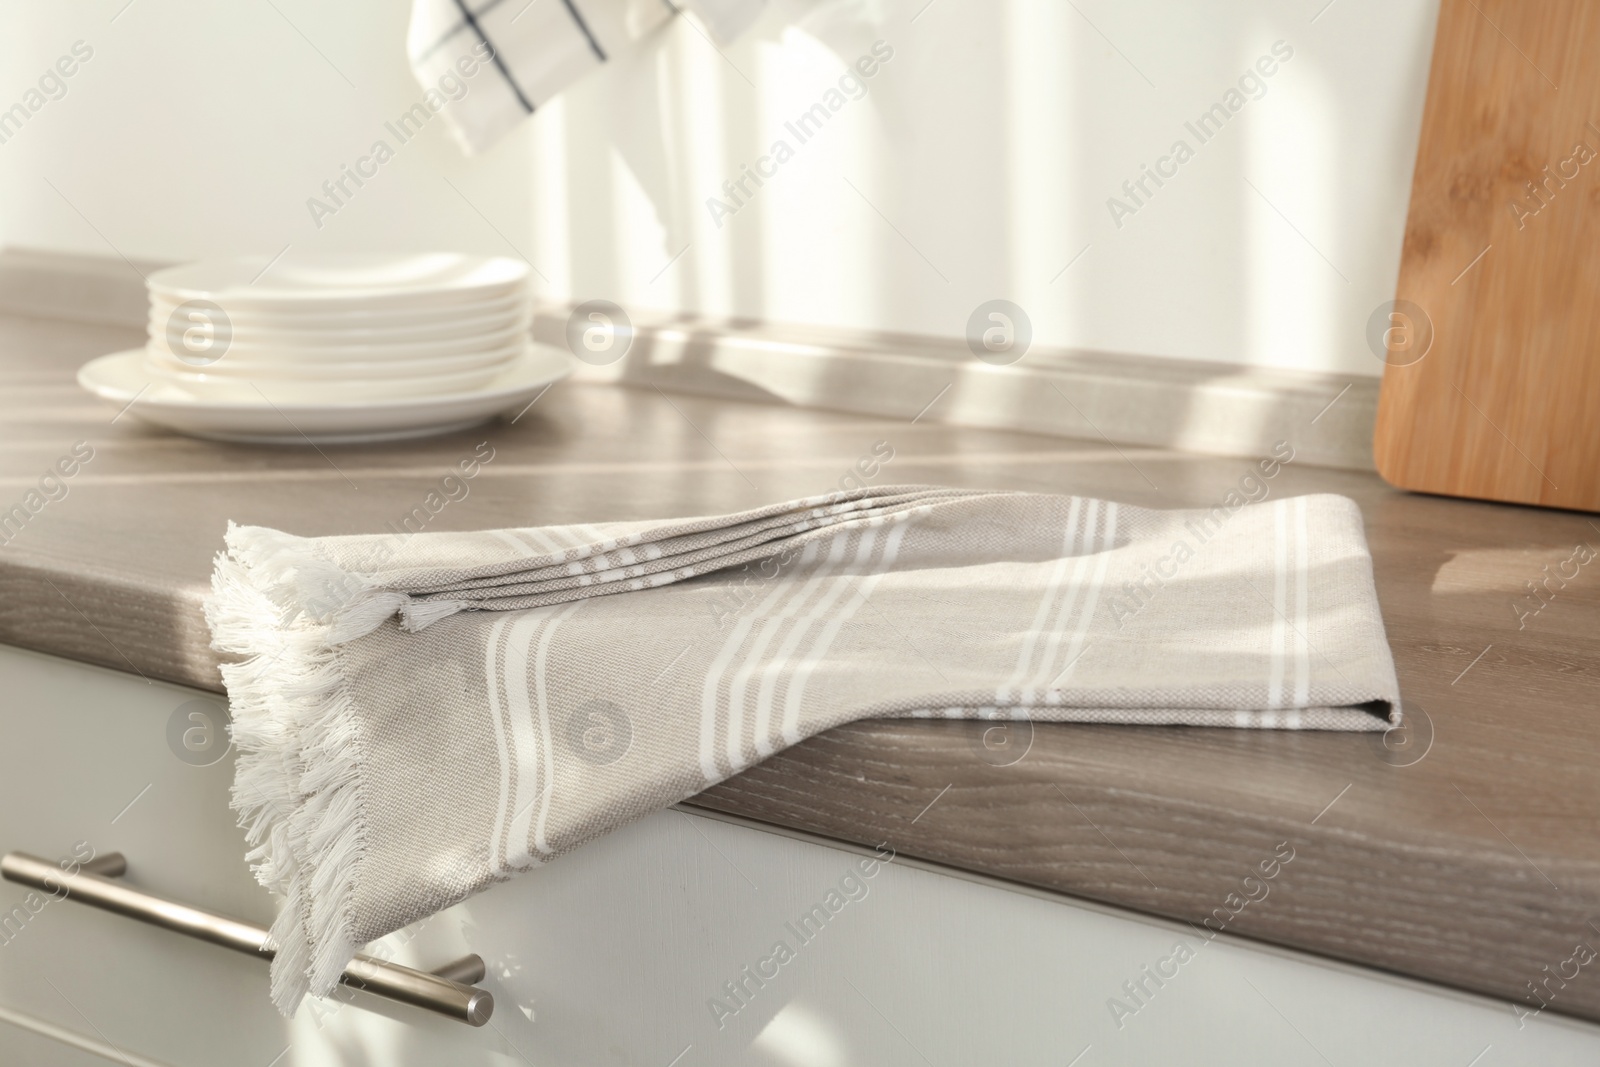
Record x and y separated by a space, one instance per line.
420 717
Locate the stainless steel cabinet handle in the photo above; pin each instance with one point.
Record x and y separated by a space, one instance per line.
445 991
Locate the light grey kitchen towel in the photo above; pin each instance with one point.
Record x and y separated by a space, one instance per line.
419 717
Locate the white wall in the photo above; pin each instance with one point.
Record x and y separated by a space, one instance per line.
978 165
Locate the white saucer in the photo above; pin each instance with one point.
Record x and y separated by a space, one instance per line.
122 379
330 282
368 331
292 355
465 315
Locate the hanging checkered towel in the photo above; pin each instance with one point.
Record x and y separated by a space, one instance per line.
533 49
421 716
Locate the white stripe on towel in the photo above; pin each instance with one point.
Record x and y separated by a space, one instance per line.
1069 542
533 751
1108 538
802 671
1302 613
770 624
522 547
540 688
544 541
1070 605
524 744
766 690
492 682
1280 592
764 707
710 700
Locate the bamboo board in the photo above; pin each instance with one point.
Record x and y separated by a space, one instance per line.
1502 254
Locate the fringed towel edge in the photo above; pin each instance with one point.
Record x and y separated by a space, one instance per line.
297 788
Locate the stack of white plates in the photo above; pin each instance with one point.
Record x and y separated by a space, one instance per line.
364 347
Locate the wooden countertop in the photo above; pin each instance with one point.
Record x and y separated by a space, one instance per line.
1469 857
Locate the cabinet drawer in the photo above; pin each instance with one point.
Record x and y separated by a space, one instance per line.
98 761
657 945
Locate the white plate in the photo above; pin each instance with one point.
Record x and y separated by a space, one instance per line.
510 306
383 382
216 390
287 355
334 282
262 333
121 379
233 368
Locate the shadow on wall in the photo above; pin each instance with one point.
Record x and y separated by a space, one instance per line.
1175 186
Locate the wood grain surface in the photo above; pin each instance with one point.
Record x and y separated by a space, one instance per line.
1465 853
1502 257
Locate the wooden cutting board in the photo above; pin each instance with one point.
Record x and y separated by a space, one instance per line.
1502 255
